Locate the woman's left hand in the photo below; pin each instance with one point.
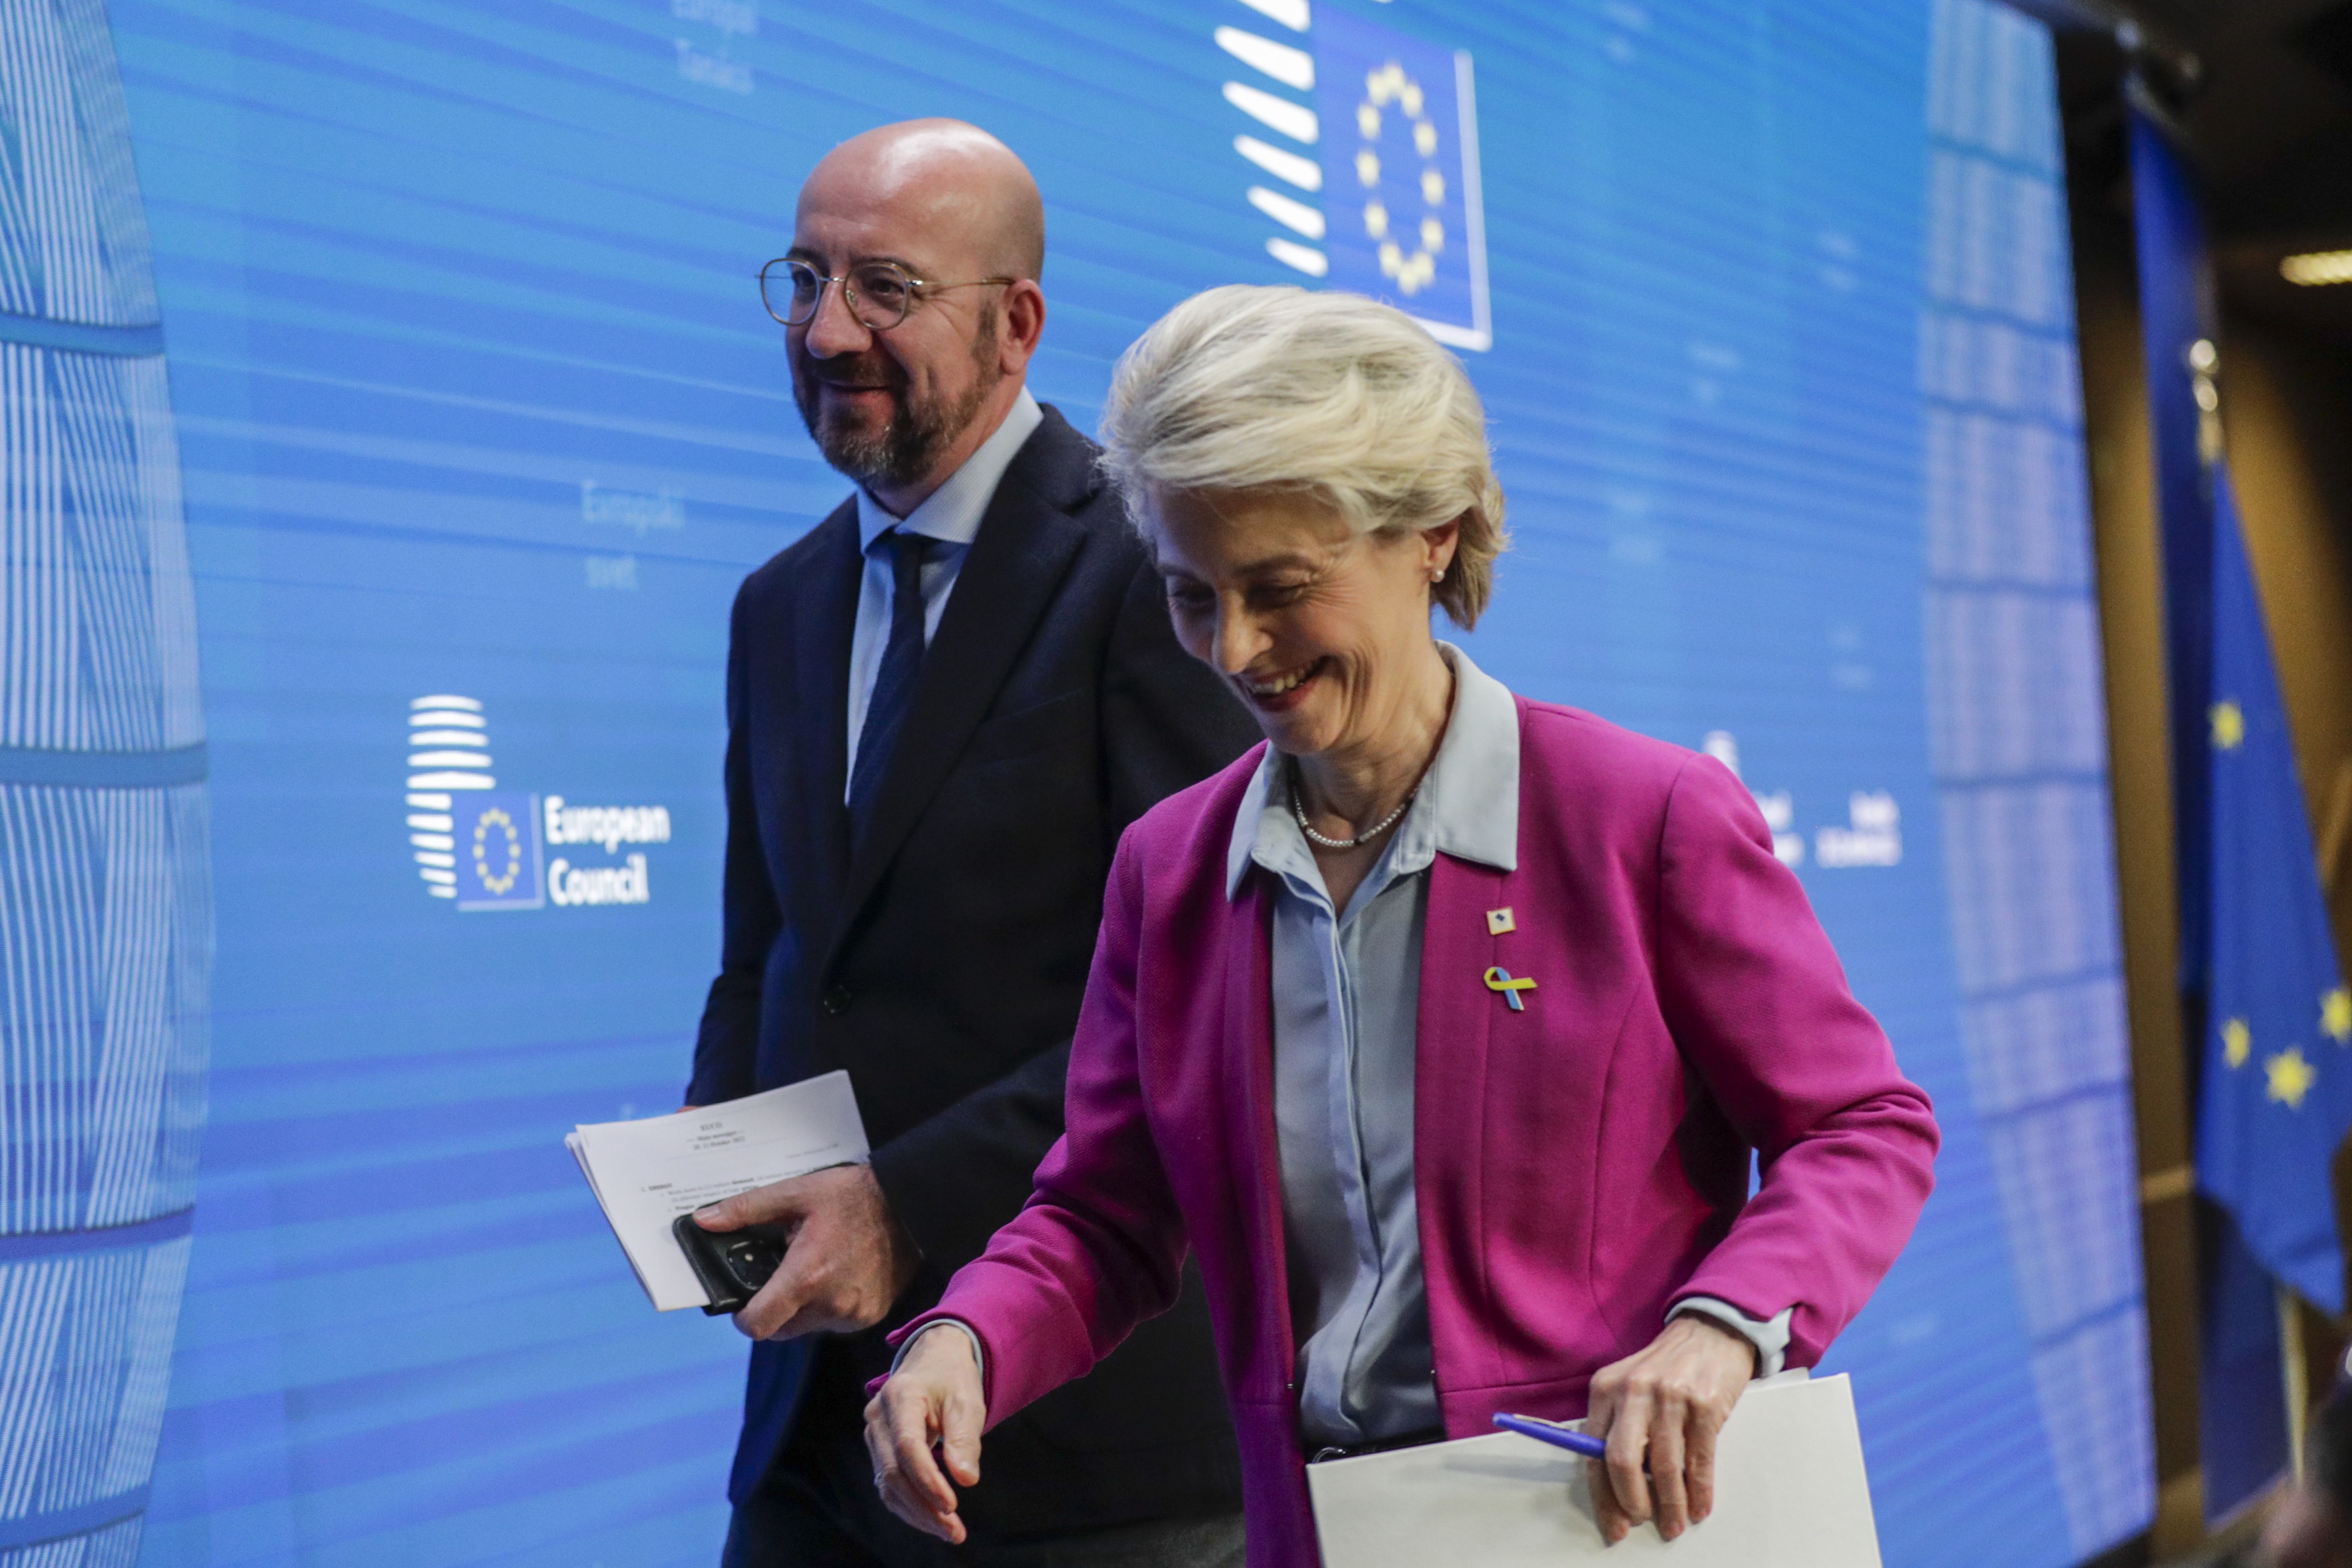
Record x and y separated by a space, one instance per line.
1659 1410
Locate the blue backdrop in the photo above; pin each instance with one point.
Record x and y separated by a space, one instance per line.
480 422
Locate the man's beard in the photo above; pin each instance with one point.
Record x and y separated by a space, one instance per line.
908 444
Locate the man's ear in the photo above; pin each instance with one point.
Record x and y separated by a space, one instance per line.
1024 322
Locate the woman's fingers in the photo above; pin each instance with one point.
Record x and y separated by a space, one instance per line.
1607 1511
1668 1413
907 1499
1705 1425
900 1424
911 1447
1660 1411
1629 1438
960 1427
905 1508
933 1400
1602 1413
1714 1364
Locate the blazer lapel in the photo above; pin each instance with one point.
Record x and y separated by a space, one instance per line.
1249 1044
1026 542
822 621
1449 1089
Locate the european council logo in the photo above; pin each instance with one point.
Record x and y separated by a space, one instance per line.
497 856
481 847
1393 124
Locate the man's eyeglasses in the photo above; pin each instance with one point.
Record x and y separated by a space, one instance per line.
878 293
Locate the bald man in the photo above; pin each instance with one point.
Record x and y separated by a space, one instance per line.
944 704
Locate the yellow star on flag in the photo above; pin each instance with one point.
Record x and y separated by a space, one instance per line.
2237 1042
2229 725
2291 1076
2335 1015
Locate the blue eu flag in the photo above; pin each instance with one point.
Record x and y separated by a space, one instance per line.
2276 1095
497 834
1399 145
2231 828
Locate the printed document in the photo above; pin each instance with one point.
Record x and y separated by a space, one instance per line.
1789 1492
645 1174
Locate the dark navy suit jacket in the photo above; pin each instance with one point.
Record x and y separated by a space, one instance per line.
942 960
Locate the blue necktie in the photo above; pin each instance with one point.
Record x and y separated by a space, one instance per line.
894 685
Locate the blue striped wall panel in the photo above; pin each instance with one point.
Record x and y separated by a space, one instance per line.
2018 723
105 900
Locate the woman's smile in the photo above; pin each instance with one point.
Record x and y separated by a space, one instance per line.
1282 690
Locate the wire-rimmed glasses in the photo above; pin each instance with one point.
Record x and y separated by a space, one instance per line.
878 293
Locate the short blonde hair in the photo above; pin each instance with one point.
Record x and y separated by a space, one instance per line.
1251 388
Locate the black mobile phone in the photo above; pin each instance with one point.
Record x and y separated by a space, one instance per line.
731 1264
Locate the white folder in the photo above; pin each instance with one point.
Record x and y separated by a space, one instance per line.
1789 1492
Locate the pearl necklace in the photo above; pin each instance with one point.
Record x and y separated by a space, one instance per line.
1360 839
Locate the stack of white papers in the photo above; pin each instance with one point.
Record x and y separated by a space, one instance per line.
1789 1492
645 1174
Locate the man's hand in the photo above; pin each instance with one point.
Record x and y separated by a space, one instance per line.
1659 1410
934 1398
848 1260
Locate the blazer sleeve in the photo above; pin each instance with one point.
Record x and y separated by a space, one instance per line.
1100 1245
1759 1006
1166 723
726 1048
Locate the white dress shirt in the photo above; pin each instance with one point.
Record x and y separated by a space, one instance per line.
950 514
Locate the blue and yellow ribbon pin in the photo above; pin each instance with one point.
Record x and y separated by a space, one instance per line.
1500 980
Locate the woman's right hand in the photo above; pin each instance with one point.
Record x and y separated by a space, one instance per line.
933 1399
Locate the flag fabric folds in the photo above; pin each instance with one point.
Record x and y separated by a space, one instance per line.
2276 1092
2261 996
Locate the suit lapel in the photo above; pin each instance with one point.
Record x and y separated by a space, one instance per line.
1026 542
823 618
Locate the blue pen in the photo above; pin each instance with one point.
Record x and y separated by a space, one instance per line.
1551 1432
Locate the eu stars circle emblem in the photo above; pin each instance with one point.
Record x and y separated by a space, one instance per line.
1386 89
497 840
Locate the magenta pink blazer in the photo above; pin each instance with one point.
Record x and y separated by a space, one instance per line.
1581 1164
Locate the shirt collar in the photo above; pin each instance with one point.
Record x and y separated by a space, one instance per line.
1468 806
952 513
